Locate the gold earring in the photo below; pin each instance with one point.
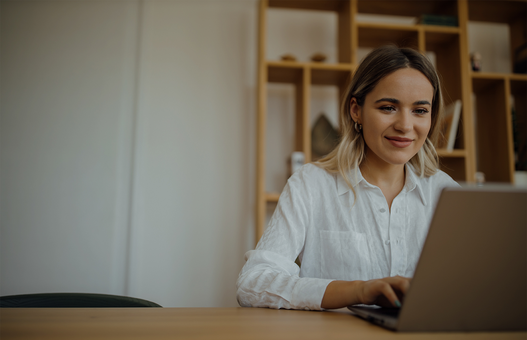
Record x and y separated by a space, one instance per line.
358 127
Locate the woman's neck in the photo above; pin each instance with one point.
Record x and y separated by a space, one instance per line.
390 178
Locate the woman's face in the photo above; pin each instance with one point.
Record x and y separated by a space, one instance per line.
396 116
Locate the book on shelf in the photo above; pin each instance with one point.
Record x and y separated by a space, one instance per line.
440 20
449 125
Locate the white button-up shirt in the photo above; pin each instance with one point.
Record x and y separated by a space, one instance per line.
336 237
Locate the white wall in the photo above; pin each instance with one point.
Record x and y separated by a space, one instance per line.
194 200
126 139
65 111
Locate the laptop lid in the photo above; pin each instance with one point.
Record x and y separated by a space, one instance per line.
472 272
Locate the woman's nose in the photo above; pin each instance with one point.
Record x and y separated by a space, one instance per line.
404 122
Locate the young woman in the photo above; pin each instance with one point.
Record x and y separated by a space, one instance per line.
357 219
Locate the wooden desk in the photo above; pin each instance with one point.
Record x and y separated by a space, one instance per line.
203 323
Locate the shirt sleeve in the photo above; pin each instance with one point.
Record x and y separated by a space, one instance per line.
270 277
442 181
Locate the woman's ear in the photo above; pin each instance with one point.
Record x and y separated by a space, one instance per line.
355 111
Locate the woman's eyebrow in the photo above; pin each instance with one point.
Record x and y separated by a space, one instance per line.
391 100
422 102
396 101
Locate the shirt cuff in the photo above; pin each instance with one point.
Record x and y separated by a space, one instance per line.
309 293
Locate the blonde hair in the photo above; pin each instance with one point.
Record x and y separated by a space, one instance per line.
350 151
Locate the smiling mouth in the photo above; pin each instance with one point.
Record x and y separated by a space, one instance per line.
399 142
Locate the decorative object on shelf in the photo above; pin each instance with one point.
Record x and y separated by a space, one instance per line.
439 20
480 178
475 61
288 57
324 137
449 125
520 59
318 57
297 160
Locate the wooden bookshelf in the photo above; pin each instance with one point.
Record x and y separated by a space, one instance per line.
474 150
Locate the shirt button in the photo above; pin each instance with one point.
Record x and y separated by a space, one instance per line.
387 242
382 210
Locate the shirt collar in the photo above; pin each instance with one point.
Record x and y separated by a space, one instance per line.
411 182
355 179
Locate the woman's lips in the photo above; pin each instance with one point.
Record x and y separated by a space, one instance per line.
399 142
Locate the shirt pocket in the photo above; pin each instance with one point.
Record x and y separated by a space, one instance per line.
345 255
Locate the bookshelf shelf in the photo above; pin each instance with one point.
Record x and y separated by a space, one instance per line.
387 27
272 196
496 75
321 74
439 29
456 153
518 77
284 73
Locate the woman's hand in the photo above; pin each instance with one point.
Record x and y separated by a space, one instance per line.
386 292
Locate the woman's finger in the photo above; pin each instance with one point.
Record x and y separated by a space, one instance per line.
399 283
385 288
386 291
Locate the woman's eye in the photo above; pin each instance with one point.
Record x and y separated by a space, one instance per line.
421 111
388 108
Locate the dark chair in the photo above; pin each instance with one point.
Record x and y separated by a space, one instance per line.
72 300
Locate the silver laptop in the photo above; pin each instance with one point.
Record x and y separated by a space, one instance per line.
472 273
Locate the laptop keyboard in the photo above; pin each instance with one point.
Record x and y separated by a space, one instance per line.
394 312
